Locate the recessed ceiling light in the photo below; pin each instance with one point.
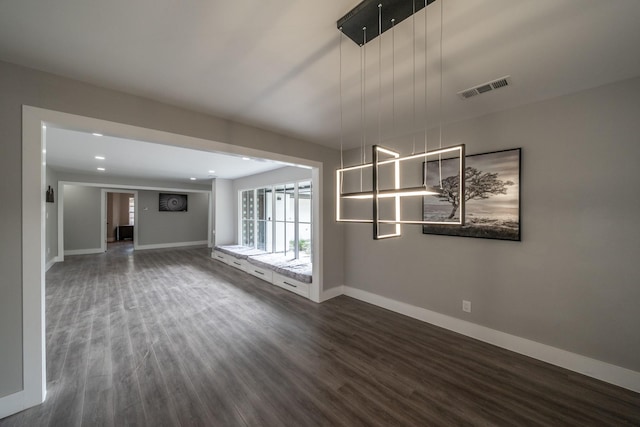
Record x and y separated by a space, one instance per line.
212 171
192 179
96 134
101 169
44 126
246 158
99 158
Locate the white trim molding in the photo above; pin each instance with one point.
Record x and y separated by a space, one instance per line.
51 262
603 371
34 377
83 251
13 403
332 293
103 215
173 245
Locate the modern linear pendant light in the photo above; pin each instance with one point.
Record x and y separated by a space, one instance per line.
367 19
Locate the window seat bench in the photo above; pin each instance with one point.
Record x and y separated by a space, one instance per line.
294 275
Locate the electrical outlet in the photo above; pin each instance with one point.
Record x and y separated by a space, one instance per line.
466 306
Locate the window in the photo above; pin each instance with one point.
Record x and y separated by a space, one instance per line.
304 219
285 218
279 220
264 218
248 216
132 210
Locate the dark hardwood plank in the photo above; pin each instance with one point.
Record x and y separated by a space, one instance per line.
172 337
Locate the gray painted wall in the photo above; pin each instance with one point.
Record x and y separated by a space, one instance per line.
572 282
82 228
81 218
23 86
224 212
51 245
278 176
155 227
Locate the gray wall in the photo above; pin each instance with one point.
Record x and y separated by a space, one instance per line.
22 86
224 212
81 210
51 224
155 227
82 228
572 282
278 176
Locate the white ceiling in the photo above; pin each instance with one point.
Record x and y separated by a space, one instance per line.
275 63
72 151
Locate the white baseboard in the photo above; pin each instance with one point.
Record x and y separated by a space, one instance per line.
11 404
574 362
19 401
332 293
84 251
172 245
51 262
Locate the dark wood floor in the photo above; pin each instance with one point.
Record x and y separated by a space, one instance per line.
171 337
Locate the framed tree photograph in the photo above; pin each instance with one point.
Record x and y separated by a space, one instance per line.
492 196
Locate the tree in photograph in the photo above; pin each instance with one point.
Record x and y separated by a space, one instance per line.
478 185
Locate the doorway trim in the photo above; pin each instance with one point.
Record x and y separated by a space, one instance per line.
103 215
33 225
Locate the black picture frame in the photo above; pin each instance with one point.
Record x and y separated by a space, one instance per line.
171 202
50 197
493 201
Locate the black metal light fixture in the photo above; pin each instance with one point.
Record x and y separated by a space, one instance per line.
365 22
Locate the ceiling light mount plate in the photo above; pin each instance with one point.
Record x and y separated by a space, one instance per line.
365 14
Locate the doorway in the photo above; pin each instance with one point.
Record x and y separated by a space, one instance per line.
33 228
120 221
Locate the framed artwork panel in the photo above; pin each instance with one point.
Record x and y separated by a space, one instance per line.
492 196
168 202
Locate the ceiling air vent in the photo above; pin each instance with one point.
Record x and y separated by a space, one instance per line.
485 87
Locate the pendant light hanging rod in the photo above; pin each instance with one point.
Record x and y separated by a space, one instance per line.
426 114
379 74
341 112
341 108
440 101
393 73
364 96
413 92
